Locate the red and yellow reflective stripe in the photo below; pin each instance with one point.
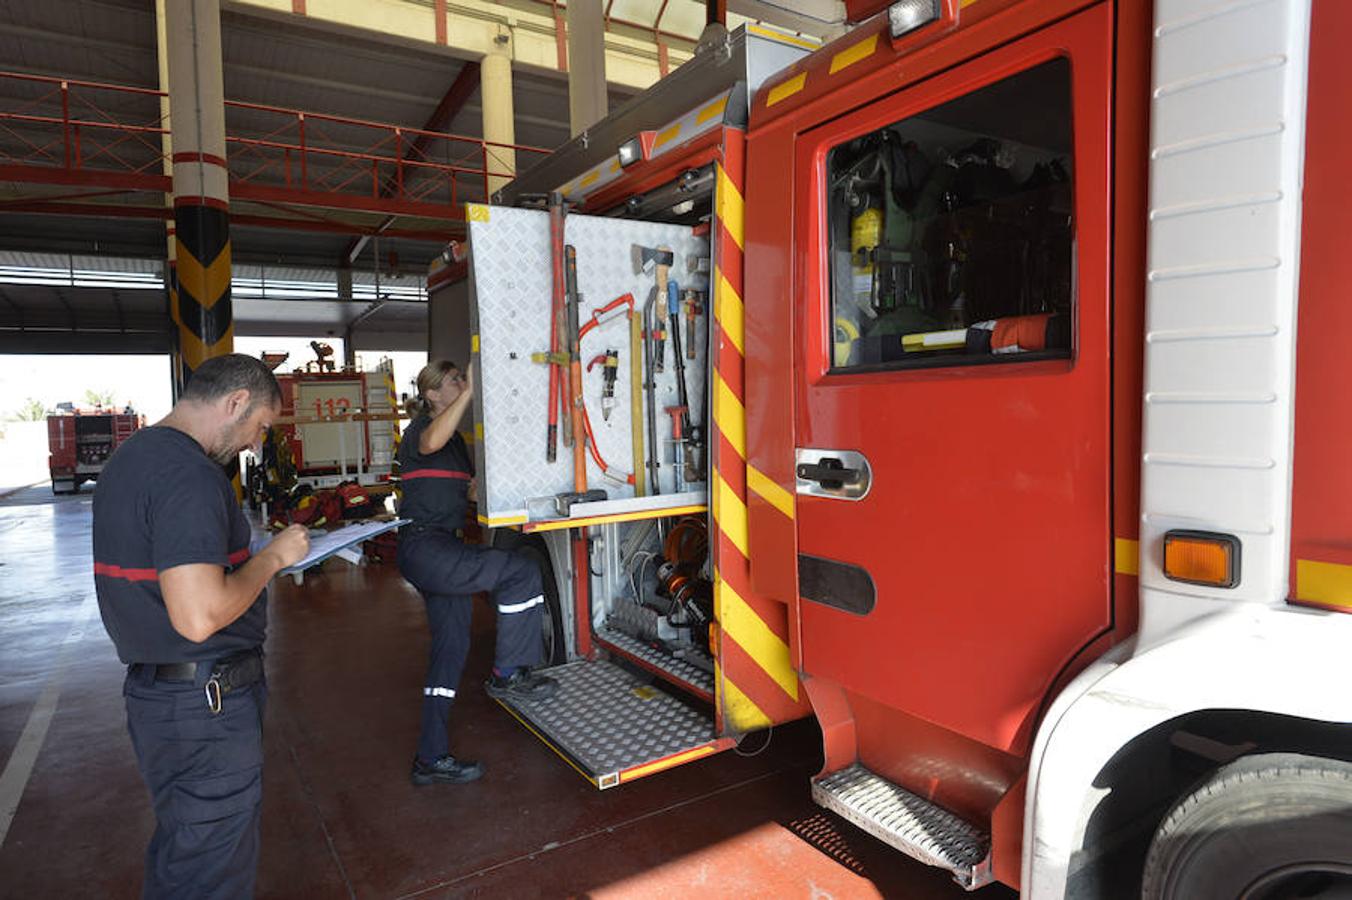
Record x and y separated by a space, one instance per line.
755 682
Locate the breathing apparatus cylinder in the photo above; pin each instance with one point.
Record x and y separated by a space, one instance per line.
866 231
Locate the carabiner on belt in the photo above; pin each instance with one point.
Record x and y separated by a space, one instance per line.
213 689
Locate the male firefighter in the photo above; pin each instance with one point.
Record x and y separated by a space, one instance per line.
185 603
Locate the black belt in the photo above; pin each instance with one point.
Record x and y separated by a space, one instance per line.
227 674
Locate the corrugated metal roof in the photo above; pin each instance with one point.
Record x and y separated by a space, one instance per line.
279 62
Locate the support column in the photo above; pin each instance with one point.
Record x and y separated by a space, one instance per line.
495 71
167 167
201 304
587 103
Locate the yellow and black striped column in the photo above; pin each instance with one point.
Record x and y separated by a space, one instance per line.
199 296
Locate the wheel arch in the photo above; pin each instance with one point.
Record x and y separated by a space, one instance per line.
1139 727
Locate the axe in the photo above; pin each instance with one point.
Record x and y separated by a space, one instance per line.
659 260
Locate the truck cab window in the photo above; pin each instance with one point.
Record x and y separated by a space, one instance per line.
951 232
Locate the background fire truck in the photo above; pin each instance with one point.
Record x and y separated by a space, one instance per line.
1017 472
79 442
337 427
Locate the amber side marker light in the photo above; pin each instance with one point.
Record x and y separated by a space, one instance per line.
1202 557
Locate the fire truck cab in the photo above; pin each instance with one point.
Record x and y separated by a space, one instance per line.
1022 477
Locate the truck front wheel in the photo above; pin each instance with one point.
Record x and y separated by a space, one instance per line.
555 650
1267 826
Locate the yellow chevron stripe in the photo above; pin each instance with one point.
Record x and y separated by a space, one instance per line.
739 711
786 89
473 343
194 352
769 490
728 308
741 623
1323 582
713 109
476 212
853 54
667 135
731 207
207 284
730 514
1127 556
478 431
729 415
786 38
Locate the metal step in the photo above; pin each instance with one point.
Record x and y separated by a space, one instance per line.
677 671
613 727
910 823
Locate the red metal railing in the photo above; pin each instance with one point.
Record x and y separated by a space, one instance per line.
80 126
65 131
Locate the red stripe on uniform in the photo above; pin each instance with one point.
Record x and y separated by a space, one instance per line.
435 473
239 556
129 574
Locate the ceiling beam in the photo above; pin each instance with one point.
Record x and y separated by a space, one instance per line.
454 100
462 88
474 28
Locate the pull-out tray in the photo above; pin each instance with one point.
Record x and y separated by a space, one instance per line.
613 727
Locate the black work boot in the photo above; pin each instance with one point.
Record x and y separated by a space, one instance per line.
523 684
445 770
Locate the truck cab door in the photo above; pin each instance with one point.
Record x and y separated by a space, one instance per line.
952 384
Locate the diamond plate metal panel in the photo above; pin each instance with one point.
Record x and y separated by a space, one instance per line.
908 822
510 304
609 721
680 670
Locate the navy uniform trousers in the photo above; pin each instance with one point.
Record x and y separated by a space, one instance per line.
447 572
205 775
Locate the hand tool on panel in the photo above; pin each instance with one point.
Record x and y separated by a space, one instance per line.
574 303
636 398
611 310
556 217
650 386
691 437
680 419
693 308
563 503
656 260
610 363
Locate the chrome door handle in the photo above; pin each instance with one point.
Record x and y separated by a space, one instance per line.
829 472
837 474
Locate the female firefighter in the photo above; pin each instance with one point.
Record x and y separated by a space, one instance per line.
436 474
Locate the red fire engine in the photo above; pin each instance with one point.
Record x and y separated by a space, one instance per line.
1019 474
338 425
79 442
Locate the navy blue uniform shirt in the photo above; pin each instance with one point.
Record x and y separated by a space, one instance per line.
161 502
435 485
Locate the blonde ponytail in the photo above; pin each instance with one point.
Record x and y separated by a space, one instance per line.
429 379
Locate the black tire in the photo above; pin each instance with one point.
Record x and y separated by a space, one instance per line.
1268 826
556 650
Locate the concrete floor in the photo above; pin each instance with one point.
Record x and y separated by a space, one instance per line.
345 666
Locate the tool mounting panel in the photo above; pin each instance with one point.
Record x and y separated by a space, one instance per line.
511 301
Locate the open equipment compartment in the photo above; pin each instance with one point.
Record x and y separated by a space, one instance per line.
652 675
